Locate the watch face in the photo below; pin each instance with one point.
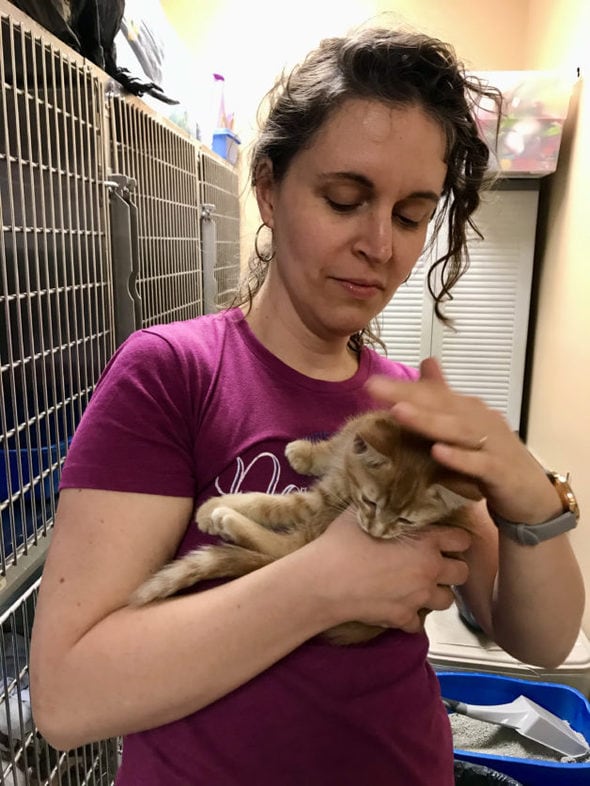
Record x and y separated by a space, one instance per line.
565 491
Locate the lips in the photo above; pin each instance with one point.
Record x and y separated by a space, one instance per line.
358 282
360 288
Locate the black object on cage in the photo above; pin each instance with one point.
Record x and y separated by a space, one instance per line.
90 27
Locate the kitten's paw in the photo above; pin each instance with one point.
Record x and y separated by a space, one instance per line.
300 456
218 522
205 512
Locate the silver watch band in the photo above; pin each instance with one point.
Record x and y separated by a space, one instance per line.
532 534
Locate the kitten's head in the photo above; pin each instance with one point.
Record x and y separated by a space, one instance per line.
396 485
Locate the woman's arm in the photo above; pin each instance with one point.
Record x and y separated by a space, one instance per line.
100 668
530 599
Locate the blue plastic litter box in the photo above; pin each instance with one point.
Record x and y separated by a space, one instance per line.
566 702
25 522
41 460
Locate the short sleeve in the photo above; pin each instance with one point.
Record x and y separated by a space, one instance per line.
136 433
379 364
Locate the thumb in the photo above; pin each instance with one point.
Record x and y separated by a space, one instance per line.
430 369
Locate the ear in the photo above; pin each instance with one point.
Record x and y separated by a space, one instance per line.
461 484
265 194
371 457
450 499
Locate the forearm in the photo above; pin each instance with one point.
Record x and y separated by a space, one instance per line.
140 668
132 669
529 599
538 600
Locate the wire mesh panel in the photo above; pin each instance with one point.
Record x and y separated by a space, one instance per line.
62 147
163 163
219 187
25 756
55 287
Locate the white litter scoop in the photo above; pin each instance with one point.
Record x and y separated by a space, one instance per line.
529 719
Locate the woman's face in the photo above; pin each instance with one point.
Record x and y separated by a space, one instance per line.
350 216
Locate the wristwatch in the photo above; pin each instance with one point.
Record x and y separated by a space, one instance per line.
531 534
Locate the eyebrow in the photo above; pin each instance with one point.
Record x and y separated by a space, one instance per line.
364 181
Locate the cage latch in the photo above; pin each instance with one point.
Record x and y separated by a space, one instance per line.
123 185
124 255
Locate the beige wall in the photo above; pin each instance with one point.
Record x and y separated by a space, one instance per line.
559 419
236 37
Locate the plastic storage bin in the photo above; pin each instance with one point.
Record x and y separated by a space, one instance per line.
566 702
225 144
456 647
41 460
534 108
28 514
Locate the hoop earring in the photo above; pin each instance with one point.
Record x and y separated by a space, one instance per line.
269 256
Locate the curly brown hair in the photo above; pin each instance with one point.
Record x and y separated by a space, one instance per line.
400 68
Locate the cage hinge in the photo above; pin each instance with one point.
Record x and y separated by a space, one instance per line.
207 210
121 184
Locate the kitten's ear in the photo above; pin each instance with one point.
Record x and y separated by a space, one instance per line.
370 456
451 500
359 445
460 484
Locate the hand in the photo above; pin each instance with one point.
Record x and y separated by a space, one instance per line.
390 582
474 440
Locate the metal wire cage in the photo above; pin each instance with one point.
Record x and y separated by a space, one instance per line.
55 281
220 214
101 206
162 178
26 759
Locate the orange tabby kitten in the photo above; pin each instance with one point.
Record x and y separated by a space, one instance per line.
385 472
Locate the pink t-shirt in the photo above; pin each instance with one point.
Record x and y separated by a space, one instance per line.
199 408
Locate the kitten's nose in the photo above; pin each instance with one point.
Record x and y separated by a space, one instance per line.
382 529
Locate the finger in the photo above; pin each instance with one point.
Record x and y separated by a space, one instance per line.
430 369
424 392
446 427
385 389
442 598
472 461
447 538
454 572
416 624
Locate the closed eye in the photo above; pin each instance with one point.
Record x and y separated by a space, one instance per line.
342 207
409 223
368 501
408 516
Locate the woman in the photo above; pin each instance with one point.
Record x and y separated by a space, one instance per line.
367 140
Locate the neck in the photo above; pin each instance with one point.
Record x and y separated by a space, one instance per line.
297 346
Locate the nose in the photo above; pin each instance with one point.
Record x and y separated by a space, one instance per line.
375 239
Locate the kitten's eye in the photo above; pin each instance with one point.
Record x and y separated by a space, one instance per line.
369 502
